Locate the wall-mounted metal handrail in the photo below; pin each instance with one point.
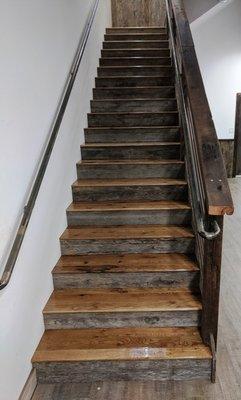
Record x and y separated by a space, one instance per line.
27 211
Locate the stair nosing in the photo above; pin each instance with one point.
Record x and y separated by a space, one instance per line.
128 182
130 144
106 233
136 99
125 206
135 127
127 162
135 76
133 113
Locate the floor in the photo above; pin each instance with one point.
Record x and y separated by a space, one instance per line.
228 386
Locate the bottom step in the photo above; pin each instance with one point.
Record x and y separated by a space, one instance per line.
83 355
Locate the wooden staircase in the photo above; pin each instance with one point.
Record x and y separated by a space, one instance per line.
126 303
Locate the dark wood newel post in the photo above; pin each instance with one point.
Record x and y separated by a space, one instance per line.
237 138
211 285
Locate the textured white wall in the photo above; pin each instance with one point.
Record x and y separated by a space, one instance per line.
217 38
38 42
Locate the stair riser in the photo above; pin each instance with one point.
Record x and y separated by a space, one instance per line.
126 135
105 62
126 193
134 93
114 246
90 371
120 153
132 119
130 171
136 30
135 53
133 81
140 36
136 45
127 280
133 106
134 71
122 319
108 218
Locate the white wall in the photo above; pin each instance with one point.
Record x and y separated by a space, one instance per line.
38 42
217 38
195 9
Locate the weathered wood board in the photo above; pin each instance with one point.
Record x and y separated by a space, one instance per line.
138 12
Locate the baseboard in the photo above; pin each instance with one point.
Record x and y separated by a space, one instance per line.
29 386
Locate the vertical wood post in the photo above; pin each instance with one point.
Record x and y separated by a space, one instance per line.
237 138
212 257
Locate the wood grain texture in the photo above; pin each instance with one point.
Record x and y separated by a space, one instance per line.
135 36
134 93
126 262
135 61
153 370
147 105
107 214
126 239
131 81
125 279
132 169
121 344
130 13
128 232
118 151
132 29
129 319
117 300
216 191
137 44
228 371
129 190
227 149
126 135
130 206
129 270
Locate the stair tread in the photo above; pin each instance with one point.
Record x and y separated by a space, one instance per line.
138 41
146 99
122 300
121 344
163 127
111 263
128 182
127 161
163 232
131 87
133 112
131 206
133 77
131 144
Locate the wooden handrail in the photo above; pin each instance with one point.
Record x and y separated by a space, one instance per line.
218 198
209 192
